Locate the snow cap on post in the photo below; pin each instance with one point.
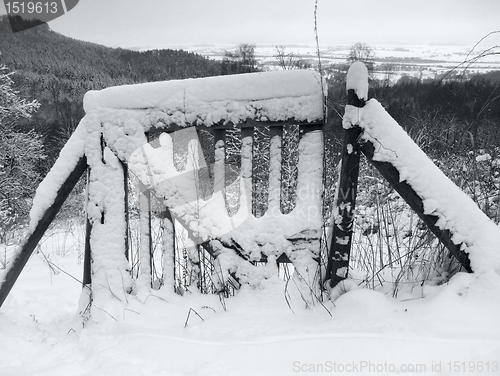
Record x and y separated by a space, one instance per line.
357 79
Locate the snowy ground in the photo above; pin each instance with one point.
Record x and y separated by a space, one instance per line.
445 330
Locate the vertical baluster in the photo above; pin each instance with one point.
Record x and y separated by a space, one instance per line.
309 203
87 275
310 173
220 158
145 241
168 248
274 198
125 201
246 166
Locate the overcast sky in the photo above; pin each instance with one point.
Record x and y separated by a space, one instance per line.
146 23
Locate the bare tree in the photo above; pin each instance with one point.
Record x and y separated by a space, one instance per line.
247 55
362 52
241 61
288 61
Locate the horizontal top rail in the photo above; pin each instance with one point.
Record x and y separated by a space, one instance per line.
265 96
247 124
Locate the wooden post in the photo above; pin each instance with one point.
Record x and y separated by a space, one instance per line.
343 215
338 261
14 269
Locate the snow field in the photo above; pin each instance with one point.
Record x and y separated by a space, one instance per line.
257 334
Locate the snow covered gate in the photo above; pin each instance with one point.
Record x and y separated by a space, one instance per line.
134 132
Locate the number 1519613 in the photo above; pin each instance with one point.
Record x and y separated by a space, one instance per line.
473 366
31 7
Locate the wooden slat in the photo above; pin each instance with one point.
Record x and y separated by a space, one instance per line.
251 123
391 174
154 132
275 171
127 215
145 240
220 159
247 166
87 257
168 238
14 269
305 128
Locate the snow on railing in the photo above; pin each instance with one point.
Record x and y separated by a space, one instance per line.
266 96
448 212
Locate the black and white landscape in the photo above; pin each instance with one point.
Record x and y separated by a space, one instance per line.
407 305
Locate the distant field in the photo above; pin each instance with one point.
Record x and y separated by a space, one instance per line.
423 61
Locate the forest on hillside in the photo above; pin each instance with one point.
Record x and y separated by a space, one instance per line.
57 71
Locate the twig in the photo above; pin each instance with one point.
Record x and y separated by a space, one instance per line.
123 285
476 58
320 67
207 307
52 265
287 296
110 315
222 301
128 309
312 293
109 288
189 314
158 297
